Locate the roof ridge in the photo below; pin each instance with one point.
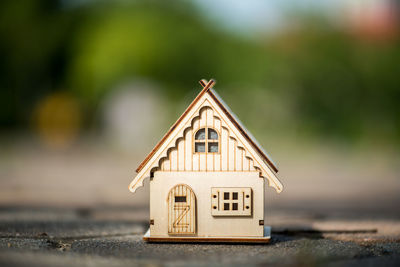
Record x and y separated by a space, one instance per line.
246 133
206 87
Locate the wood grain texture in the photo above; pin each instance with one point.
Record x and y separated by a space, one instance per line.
206 89
243 240
234 152
203 91
166 185
231 155
181 215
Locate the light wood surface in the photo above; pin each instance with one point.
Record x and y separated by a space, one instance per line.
181 210
201 183
188 239
205 177
236 152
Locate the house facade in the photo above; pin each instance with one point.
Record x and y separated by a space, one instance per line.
207 177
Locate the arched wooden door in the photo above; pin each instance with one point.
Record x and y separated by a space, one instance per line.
181 210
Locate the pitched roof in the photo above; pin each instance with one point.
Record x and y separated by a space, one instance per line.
207 87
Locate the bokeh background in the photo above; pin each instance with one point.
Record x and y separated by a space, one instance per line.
88 87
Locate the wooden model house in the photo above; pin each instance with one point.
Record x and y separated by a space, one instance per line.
207 178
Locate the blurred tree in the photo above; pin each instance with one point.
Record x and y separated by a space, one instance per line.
341 86
169 43
33 35
313 77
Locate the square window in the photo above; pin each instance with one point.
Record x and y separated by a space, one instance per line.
231 201
226 206
200 147
226 195
212 134
180 198
213 147
200 134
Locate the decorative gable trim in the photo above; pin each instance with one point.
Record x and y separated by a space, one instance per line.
205 89
237 133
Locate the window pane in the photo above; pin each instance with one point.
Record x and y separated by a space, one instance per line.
200 134
231 201
180 199
212 134
226 206
213 147
200 147
234 206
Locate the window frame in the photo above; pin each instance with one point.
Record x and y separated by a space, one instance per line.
206 141
244 201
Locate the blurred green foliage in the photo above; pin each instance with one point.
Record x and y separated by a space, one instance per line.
324 80
341 84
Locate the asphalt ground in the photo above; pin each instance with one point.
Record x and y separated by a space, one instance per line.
103 237
73 208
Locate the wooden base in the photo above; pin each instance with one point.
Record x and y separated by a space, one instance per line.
196 239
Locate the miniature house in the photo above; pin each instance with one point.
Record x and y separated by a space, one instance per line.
207 177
